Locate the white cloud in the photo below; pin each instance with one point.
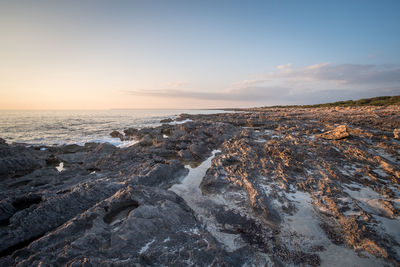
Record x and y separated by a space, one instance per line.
281 67
247 94
322 82
347 73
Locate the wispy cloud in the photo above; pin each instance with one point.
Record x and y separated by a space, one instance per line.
316 83
346 73
255 93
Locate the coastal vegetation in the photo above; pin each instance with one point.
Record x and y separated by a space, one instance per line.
373 101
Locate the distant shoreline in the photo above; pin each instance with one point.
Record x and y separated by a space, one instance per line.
373 101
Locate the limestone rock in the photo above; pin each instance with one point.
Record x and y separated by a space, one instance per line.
396 133
338 133
273 196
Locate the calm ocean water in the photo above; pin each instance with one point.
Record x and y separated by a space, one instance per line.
78 127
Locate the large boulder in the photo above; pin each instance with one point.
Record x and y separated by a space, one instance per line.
338 133
131 132
116 134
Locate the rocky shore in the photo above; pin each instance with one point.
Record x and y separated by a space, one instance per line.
274 187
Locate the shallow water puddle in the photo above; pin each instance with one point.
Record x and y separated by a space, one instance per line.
368 199
190 191
304 226
189 188
304 221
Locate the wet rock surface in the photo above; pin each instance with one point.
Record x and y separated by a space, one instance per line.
282 187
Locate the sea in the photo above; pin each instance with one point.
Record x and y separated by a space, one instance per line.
58 127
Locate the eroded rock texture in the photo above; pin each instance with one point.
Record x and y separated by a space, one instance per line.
306 168
287 187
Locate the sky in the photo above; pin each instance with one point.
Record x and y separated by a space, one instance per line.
196 54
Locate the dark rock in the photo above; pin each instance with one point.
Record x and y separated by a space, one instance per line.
131 132
163 175
90 146
166 120
116 134
148 131
31 223
25 202
146 140
6 211
105 148
72 148
185 154
140 224
177 134
73 158
17 160
199 151
52 160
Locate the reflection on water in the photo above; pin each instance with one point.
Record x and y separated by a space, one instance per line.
202 205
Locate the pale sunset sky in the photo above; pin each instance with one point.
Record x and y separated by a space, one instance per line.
196 54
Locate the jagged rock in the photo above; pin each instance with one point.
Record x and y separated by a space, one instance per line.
274 195
72 148
137 225
177 134
32 222
185 154
199 151
52 160
166 120
104 148
396 133
148 131
116 134
131 132
90 146
146 140
17 160
338 133
73 158
6 211
162 175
